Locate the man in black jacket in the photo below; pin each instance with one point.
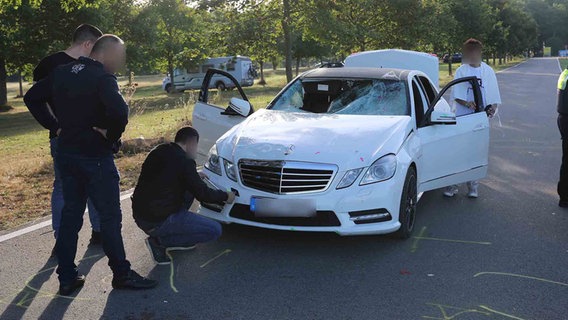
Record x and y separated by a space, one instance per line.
81 44
167 186
562 108
92 115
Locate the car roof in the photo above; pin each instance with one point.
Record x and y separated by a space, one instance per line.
354 73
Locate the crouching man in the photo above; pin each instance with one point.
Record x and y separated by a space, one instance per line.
167 186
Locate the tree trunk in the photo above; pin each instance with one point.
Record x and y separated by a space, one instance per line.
20 78
274 64
493 59
262 82
297 66
171 72
500 59
287 39
3 78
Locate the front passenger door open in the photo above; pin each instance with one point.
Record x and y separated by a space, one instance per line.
216 112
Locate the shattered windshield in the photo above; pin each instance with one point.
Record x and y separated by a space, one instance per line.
345 96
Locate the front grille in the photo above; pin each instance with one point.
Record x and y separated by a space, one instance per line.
321 219
286 177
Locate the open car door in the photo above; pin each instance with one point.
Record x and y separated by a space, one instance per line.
454 149
218 111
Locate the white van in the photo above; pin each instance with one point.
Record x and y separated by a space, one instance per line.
191 79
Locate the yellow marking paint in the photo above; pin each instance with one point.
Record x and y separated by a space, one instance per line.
453 240
520 276
445 309
215 258
172 272
416 239
500 313
23 300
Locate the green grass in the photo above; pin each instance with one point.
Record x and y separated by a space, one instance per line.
563 63
445 76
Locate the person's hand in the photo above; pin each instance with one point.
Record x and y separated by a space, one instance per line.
103 132
471 105
230 197
491 111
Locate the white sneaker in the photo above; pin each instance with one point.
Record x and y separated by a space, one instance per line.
472 186
451 191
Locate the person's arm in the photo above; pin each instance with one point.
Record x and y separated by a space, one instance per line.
198 188
116 109
36 100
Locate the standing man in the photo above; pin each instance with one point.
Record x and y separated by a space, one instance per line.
167 186
82 42
464 101
563 126
92 116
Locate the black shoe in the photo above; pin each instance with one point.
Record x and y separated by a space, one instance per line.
96 238
53 253
158 252
133 281
563 204
68 289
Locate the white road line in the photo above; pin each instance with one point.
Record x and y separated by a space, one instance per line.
511 67
559 65
44 224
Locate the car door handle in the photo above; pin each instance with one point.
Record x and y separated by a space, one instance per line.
479 128
201 116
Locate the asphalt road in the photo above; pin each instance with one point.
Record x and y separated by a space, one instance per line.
502 256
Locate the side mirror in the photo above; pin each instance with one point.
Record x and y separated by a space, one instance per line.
442 117
239 106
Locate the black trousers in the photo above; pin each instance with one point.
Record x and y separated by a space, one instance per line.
563 182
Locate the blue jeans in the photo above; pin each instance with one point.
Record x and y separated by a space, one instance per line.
184 228
57 197
97 179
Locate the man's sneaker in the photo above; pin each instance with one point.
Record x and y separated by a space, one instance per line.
182 248
451 191
157 251
68 289
96 238
133 281
472 193
53 253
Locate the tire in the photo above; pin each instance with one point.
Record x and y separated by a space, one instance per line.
220 86
169 88
408 201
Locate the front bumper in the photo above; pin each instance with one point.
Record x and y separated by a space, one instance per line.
337 209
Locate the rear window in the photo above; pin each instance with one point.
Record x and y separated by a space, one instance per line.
344 96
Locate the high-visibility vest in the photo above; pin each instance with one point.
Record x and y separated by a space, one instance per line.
563 93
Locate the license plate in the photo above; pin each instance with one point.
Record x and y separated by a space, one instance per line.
290 208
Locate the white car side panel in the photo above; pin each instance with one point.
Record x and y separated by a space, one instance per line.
453 154
211 124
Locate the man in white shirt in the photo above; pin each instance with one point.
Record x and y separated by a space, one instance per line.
464 101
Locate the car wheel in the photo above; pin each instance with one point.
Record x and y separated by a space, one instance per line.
169 88
408 201
220 86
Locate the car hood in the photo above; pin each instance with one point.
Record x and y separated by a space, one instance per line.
348 141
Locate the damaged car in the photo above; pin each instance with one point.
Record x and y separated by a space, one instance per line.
347 150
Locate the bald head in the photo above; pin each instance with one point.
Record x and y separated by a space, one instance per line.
110 51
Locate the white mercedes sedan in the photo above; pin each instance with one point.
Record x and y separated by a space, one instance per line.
347 150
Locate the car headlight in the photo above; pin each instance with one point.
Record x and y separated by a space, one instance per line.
381 170
230 170
348 178
213 163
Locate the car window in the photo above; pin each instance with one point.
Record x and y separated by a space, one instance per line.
345 96
420 105
428 88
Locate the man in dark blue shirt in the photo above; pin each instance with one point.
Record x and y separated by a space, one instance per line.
92 115
82 42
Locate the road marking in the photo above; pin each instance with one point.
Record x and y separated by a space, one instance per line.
452 240
46 223
520 276
511 67
500 313
416 239
172 273
215 258
559 66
